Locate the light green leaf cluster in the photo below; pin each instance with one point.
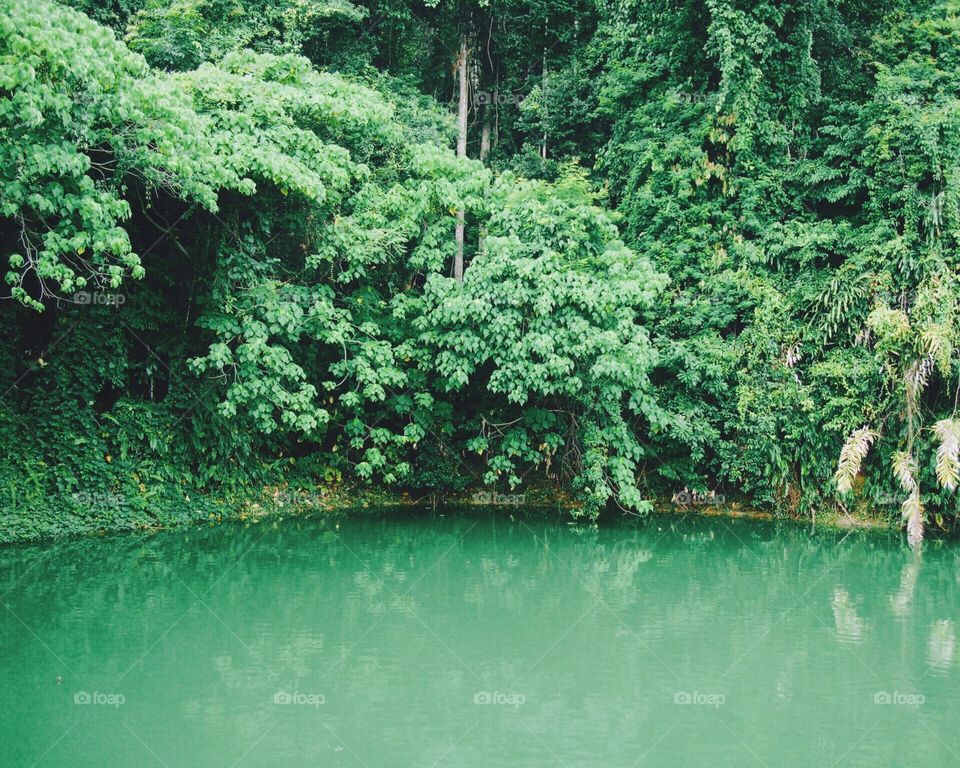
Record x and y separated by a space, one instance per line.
549 322
81 120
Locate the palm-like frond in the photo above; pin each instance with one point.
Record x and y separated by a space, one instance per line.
843 303
912 510
904 469
852 454
948 452
915 380
936 340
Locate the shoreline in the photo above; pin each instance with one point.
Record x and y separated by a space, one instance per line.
278 503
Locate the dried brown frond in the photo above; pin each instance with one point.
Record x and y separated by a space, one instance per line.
912 510
916 379
852 454
904 469
948 452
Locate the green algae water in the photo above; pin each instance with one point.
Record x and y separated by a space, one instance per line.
480 641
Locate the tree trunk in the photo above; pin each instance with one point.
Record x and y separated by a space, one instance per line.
462 107
543 145
485 134
484 154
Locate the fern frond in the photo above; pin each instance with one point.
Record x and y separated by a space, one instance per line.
948 452
935 339
842 304
852 454
912 510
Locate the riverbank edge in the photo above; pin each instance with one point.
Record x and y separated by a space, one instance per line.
278 502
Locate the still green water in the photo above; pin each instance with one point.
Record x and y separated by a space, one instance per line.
478 641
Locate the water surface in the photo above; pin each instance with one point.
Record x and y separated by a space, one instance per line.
480 641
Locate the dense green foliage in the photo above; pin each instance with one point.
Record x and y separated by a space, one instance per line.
709 246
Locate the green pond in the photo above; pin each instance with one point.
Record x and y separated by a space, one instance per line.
478 640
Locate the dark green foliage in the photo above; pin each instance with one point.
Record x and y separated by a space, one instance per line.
705 242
